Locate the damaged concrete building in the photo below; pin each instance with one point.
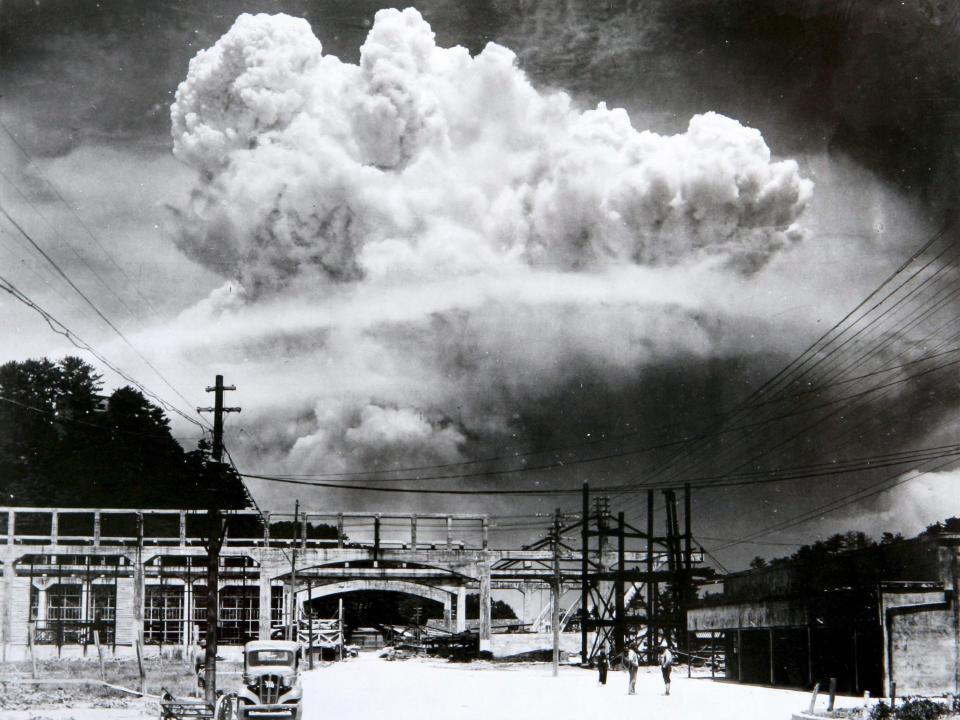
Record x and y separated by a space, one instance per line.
875 619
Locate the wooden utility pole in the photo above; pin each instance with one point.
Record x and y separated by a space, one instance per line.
584 570
291 633
619 630
555 620
215 532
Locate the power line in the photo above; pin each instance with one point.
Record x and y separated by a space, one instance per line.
70 245
856 496
92 305
61 329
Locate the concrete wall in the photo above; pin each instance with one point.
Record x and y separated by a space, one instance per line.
504 645
772 613
921 636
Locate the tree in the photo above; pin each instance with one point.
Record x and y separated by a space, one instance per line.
757 563
57 447
499 610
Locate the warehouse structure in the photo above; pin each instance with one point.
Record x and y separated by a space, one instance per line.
874 619
72 578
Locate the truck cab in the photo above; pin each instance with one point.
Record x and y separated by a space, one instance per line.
271 681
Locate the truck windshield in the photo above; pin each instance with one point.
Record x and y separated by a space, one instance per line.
269 657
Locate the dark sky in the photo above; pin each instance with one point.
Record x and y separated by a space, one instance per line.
870 87
875 80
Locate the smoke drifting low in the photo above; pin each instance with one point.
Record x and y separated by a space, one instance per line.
444 256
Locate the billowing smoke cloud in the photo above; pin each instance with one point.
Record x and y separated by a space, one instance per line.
425 162
446 258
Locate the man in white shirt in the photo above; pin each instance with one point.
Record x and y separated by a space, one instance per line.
632 662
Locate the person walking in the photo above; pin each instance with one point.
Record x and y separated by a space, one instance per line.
632 662
666 663
602 666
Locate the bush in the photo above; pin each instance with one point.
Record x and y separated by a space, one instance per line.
910 709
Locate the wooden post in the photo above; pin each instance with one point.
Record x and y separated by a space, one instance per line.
31 631
183 528
486 532
96 528
266 533
376 537
54 527
340 627
310 619
340 530
770 638
713 654
584 570
555 619
96 641
449 532
813 699
856 666
809 656
651 586
833 693
619 627
893 695
293 628
143 674
413 531
739 655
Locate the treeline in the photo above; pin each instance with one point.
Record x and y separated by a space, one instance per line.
63 443
840 543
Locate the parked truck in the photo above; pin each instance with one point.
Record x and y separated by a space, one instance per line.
271 681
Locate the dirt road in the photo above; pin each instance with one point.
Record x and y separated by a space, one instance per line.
368 687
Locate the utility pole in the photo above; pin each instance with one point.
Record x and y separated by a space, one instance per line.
584 570
292 634
215 533
555 620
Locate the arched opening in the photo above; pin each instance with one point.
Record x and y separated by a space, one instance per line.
374 618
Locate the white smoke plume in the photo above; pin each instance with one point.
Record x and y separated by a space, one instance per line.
422 161
435 247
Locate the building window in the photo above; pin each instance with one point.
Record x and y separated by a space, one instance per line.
239 613
277 606
62 622
163 615
103 612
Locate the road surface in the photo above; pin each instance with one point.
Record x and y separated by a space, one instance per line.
369 688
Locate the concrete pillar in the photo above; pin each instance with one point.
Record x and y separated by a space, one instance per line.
447 619
54 527
263 582
449 532
183 528
96 528
41 600
485 622
461 609
413 532
6 605
137 599
185 630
